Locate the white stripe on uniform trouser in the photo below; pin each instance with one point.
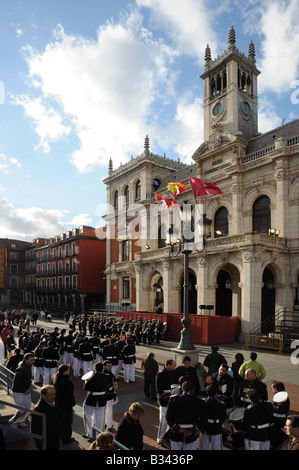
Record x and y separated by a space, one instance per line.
206 439
93 416
256 445
49 374
109 414
129 372
163 426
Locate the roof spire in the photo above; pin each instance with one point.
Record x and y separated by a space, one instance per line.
232 37
110 166
208 56
146 145
251 51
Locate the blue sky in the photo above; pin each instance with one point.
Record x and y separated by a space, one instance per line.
81 82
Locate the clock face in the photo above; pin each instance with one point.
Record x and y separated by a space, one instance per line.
217 109
245 107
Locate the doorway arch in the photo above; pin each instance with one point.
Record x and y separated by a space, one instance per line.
192 292
224 294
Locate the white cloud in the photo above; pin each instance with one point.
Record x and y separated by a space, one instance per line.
102 89
187 23
32 222
279 26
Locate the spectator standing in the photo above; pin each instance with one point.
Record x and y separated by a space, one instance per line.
214 360
130 431
253 364
21 389
150 368
46 405
65 401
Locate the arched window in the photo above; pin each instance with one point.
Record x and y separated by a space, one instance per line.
138 190
116 199
156 184
221 222
261 215
127 194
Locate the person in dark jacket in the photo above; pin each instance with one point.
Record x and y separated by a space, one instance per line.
150 368
239 359
130 431
214 360
186 417
256 423
47 406
96 400
14 360
186 370
65 401
21 389
216 414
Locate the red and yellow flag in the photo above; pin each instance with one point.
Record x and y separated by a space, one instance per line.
177 188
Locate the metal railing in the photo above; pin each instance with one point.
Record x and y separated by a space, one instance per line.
116 443
28 434
6 378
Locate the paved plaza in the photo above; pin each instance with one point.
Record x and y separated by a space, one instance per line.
282 367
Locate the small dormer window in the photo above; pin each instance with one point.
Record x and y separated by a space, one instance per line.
156 184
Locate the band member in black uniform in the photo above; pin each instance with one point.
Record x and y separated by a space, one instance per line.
252 382
77 362
186 416
256 423
68 347
95 402
39 362
129 352
85 355
216 414
96 346
224 386
164 381
281 407
111 394
111 353
185 369
120 344
51 357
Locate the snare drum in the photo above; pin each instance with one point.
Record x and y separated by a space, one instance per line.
236 416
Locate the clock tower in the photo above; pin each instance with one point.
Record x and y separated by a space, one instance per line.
230 92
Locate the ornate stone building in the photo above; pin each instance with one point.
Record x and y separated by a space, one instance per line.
250 265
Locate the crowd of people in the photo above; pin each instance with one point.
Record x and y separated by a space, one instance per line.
201 406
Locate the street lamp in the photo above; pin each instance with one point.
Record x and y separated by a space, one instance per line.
185 341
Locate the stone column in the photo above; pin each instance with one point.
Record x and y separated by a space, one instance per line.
251 292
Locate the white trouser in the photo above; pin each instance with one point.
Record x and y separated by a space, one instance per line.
119 367
129 372
93 416
37 372
62 358
163 426
76 367
183 445
206 439
109 414
87 366
23 400
256 445
69 358
49 374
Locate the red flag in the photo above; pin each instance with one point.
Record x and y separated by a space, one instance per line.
170 202
177 188
201 187
159 197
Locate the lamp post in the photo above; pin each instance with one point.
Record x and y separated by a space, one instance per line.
186 341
